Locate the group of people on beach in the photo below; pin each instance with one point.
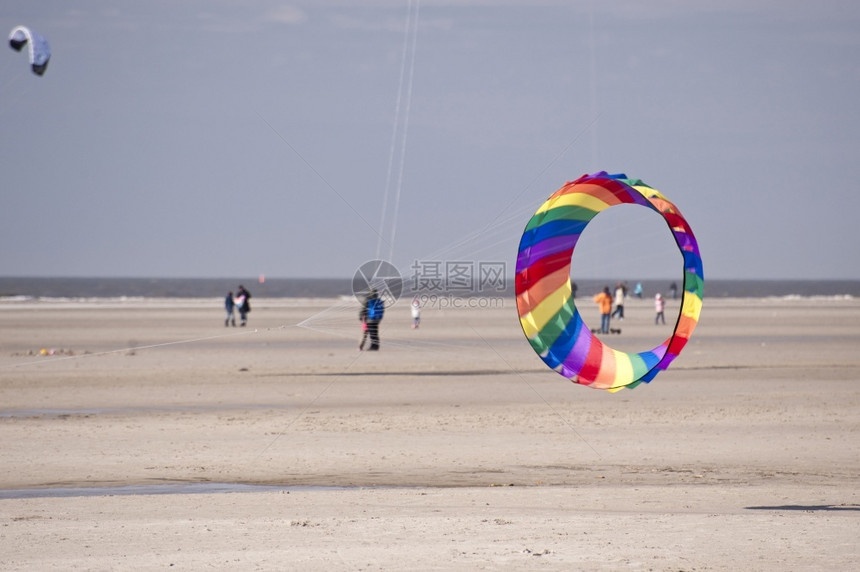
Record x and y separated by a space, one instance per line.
240 302
372 311
605 301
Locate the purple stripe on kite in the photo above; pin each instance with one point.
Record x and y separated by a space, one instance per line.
685 241
667 359
660 351
535 252
640 200
560 349
579 352
568 372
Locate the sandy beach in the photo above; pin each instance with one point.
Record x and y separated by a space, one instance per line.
143 434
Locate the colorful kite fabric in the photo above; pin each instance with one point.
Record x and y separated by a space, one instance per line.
548 315
40 51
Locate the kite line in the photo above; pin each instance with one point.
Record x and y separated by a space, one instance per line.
409 48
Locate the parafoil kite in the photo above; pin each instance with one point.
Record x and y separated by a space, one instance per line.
548 314
40 51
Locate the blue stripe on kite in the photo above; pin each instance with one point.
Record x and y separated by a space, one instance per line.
650 375
650 358
693 263
551 229
563 344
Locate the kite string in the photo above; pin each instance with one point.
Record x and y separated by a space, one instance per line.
506 220
403 139
394 129
508 227
593 88
558 156
504 228
144 347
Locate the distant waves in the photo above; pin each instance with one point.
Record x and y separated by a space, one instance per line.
75 288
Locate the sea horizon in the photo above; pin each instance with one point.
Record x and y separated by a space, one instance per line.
151 287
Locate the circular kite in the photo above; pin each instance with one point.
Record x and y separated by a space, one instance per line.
548 314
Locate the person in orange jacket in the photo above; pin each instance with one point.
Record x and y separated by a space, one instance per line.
604 302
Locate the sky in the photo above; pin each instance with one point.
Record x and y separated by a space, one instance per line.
220 138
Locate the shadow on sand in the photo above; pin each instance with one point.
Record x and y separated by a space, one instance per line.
809 507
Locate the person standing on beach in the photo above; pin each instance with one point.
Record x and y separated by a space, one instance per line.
659 305
674 289
604 302
619 301
228 305
243 304
370 315
416 313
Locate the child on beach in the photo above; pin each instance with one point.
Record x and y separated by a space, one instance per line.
659 304
416 313
228 306
363 336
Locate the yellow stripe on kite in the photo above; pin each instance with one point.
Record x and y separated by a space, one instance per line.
534 321
623 369
692 306
574 200
648 192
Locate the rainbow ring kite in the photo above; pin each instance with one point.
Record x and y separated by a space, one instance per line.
546 307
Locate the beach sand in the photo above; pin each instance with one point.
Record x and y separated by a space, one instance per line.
154 437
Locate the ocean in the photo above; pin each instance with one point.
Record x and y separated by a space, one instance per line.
77 288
